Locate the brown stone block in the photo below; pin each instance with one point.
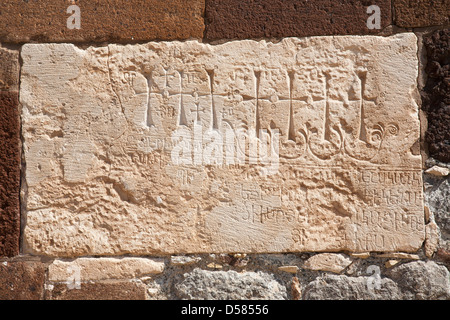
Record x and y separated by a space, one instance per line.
9 174
236 19
21 280
98 291
436 94
421 13
9 69
99 20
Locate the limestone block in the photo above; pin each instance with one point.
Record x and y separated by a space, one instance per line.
87 269
399 255
438 171
247 146
333 262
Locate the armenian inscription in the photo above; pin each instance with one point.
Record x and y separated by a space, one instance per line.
170 147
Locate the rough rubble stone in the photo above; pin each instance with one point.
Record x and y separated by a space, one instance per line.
235 19
431 239
21 280
438 171
443 256
101 21
421 13
220 285
437 193
421 280
252 147
340 287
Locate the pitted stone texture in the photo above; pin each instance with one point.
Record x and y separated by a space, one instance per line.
421 13
104 268
437 193
340 287
235 19
9 153
431 239
100 21
436 94
220 285
421 280
9 70
174 148
119 290
9 174
21 280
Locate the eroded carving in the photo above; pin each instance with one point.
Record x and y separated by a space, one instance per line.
303 145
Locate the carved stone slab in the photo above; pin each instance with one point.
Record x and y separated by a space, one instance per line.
303 145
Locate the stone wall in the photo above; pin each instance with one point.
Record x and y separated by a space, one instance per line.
340 190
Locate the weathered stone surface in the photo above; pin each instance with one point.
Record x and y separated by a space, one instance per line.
9 174
438 171
120 290
340 287
399 255
296 289
21 280
437 193
421 280
184 260
234 19
104 268
220 285
214 265
436 94
9 153
391 263
421 13
116 20
362 255
9 69
443 256
431 239
289 269
302 145
333 262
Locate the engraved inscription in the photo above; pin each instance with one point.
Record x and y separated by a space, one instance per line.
246 146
